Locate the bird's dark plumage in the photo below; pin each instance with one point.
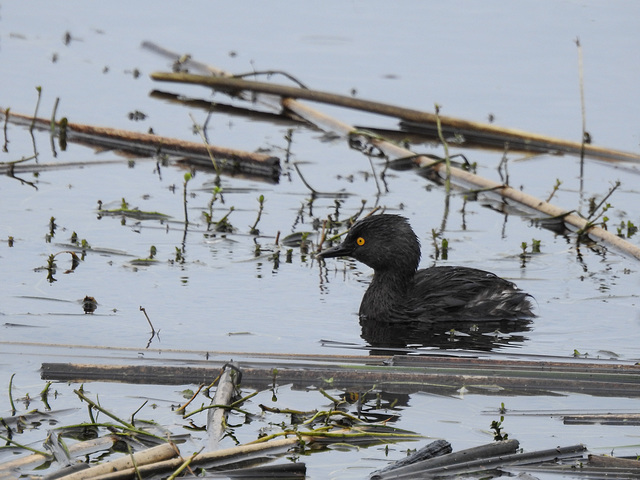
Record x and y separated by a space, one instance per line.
399 292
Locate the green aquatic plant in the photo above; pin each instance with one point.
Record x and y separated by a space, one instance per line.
208 215
602 208
187 177
224 225
51 267
445 249
275 258
441 251
254 229
535 245
496 425
629 226
150 260
125 210
555 189
52 230
525 254
62 133
304 243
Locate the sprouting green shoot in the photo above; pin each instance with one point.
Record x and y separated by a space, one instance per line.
254 229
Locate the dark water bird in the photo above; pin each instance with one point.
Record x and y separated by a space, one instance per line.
400 293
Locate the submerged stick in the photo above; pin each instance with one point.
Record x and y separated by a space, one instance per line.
614 462
432 450
412 375
145 457
478 459
76 449
509 460
602 419
482 453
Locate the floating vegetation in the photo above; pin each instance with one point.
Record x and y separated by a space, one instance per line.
496 425
126 210
52 267
105 441
150 260
627 229
297 239
224 225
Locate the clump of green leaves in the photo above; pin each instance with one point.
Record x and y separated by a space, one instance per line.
126 210
440 250
496 426
224 225
630 228
595 218
526 253
208 215
535 247
179 256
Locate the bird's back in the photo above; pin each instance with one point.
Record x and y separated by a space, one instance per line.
448 293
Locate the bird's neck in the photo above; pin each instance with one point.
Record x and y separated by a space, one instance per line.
387 290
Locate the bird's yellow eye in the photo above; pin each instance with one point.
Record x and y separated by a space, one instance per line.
360 241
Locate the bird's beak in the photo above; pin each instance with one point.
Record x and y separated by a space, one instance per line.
337 251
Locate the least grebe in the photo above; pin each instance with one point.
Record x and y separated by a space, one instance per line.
399 292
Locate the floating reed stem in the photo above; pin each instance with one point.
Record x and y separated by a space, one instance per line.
450 125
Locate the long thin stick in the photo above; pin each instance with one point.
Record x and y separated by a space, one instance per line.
150 145
103 410
145 457
451 125
76 449
582 103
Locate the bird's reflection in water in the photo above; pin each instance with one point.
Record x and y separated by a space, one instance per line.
483 335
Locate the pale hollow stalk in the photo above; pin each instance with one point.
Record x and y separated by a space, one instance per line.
144 457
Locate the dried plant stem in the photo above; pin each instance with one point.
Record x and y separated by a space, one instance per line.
144 458
445 146
582 103
515 137
184 465
35 115
206 144
143 310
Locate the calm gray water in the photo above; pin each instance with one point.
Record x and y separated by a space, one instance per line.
517 62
